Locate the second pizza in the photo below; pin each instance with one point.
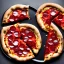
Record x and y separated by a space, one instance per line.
48 14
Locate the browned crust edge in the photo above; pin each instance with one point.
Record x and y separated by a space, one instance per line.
50 4
30 55
59 48
39 20
7 13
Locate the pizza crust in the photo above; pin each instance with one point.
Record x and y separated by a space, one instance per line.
38 15
60 46
50 4
30 55
53 27
38 36
7 13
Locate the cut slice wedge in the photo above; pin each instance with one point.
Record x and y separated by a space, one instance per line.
16 13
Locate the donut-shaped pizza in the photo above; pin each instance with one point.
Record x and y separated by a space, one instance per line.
46 15
20 41
16 13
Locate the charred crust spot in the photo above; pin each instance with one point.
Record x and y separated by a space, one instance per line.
56 51
8 14
29 55
9 51
39 11
4 21
4 31
46 57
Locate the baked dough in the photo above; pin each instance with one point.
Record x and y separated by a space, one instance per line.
51 27
38 15
29 55
60 46
14 7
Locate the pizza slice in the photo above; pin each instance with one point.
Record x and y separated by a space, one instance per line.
14 41
59 20
13 45
46 13
31 36
16 13
54 44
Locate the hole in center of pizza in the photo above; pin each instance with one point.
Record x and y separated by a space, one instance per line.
20 40
48 14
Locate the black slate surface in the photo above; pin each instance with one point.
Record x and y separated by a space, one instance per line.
5 4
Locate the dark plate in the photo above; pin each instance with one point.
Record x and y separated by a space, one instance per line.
40 56
32 12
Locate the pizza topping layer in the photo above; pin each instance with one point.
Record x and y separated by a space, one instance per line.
49 14
17 40
28 37
17 15
14 31
52 42
19 47
46 15
59 20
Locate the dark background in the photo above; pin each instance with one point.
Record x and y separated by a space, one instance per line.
5 4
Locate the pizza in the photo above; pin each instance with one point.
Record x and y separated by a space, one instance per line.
21 41
47 16
59 20
54 43
50 13
16 13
